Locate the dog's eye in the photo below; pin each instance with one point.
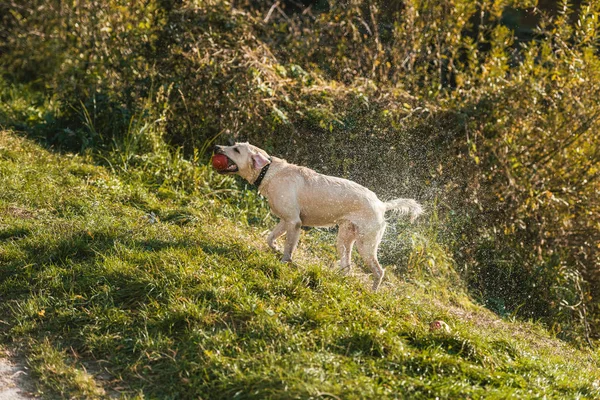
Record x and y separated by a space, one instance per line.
236 150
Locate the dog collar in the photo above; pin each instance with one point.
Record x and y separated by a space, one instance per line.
262 174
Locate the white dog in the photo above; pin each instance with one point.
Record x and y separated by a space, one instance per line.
302 197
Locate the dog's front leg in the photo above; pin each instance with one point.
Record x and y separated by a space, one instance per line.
292 235
277 232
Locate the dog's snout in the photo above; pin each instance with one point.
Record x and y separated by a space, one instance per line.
218 149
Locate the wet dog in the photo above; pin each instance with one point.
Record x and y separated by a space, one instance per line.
300 197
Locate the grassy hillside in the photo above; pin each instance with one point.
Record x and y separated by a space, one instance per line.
112 286
490 109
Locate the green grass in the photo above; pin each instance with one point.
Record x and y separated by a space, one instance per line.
111 286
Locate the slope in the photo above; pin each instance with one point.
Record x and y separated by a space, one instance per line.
113 287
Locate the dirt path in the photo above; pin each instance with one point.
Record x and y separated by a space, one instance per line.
14 384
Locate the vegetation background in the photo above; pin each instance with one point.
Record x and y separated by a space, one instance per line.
488 112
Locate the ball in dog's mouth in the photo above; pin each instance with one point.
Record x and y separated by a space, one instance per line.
223 164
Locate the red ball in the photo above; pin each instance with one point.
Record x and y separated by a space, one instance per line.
219 161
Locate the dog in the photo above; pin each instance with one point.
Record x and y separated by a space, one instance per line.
299 196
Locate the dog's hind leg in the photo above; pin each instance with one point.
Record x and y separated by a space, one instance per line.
345 240
367 245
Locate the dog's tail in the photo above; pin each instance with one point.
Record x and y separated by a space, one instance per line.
405 206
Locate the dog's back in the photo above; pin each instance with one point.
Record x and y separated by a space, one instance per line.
324 200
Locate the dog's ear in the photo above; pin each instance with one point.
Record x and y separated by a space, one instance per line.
259 160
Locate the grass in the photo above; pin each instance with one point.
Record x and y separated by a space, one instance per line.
114 287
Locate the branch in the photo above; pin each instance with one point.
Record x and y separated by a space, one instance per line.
273 7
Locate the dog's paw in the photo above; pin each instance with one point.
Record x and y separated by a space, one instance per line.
275 248
344 270
289 262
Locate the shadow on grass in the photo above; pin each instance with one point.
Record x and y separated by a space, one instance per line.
452 345
14 232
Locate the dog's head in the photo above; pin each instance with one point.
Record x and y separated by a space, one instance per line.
243 159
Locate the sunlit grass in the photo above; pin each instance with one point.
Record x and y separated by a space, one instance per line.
112 286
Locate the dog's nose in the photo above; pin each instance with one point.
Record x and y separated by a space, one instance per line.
218 149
